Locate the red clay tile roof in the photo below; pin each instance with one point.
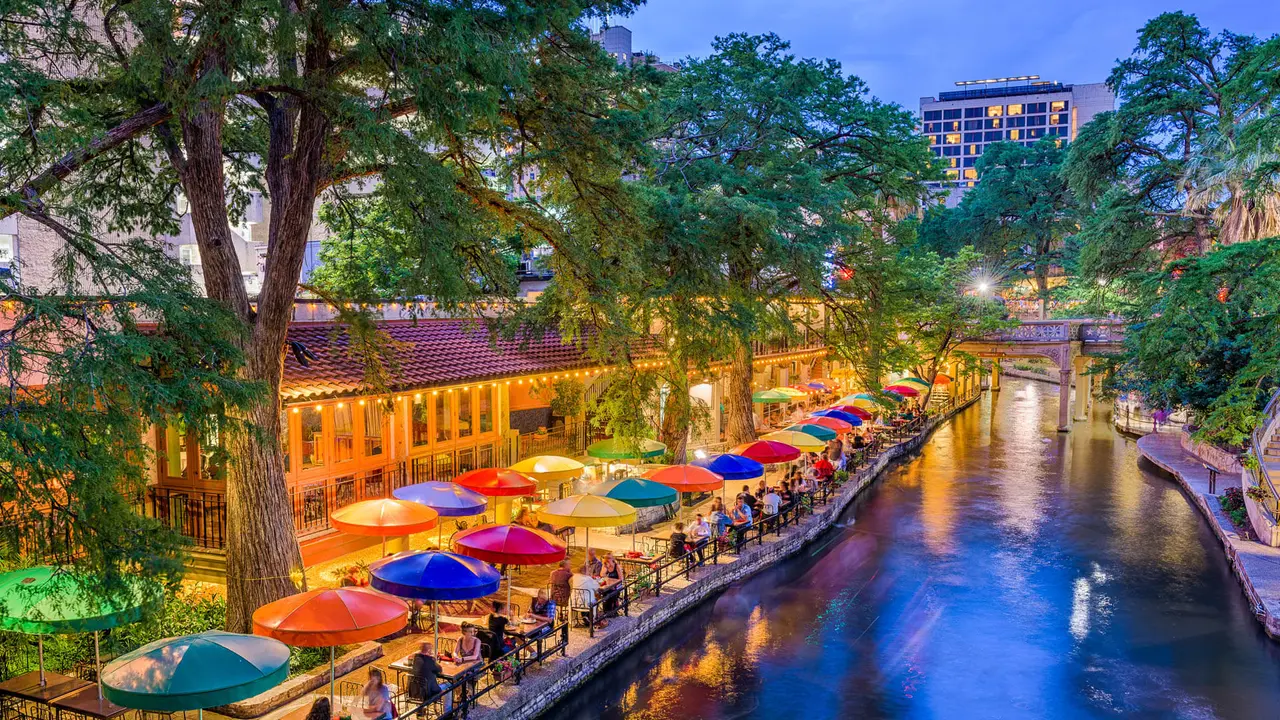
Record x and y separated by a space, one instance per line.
431 353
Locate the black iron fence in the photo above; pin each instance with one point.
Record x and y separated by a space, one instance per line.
197 514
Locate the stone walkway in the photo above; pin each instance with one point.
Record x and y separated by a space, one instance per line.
1257 566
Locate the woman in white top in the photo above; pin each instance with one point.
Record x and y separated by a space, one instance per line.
375 697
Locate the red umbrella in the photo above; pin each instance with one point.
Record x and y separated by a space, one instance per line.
510 544
767 452
852 410
384 517
329 617
830 423
497 482
686 478
904 390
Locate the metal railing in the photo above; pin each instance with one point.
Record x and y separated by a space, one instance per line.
1262 434
313 501
198 514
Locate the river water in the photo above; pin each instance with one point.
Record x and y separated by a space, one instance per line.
1007 572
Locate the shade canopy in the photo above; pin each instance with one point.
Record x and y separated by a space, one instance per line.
626 449
587 511
686 478
815 385
44 600
194 672
942 379
918 383
904 390
768 451
331 616
434 575
841 415
770 396
446 498
638 492
732 467
831 423
853 410
803 441
384 517
817 431
549 468
792 392
510 545
497 482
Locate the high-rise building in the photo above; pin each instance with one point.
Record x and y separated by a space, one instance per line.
962 122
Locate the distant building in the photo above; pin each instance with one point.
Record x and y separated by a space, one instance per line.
616 41
961 123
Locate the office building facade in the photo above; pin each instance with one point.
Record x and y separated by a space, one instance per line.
960 124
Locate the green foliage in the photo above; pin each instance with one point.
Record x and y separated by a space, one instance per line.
564 396
1232 502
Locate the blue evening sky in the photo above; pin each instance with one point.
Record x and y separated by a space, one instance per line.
908 48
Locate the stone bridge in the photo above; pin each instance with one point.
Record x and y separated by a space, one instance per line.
1070 344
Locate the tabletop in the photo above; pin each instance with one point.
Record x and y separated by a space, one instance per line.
85 701
27 686
448 670
526 630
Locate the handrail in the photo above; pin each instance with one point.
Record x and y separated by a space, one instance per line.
1271 413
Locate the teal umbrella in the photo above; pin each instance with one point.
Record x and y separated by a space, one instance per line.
638 493
770 396
817 431
46 600
194 672
626 449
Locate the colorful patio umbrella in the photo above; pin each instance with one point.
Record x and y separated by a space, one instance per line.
768 452
853 410
770 396
815 385
732 467
549 468
942 379
687 478
916 382
792 392
384 517
446 498
510 545
587 511
497 482
904 390
802 441
841 415
626 449
329 617
194 672
46 600
434 575
830 423
818 431
638 492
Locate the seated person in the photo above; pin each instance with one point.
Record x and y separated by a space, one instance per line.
592 565
772 502
468 648
424 685
561 582
320 709
858 441
701 530
741 514
542 607
719 517
497 622
677 548
588 584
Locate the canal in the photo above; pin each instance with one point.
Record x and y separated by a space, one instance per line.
1006 572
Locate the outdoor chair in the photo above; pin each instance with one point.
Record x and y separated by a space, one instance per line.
580 607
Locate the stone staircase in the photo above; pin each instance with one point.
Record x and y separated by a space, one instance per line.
206 566
940 395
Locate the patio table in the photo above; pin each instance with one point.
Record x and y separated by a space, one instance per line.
27 686
87 703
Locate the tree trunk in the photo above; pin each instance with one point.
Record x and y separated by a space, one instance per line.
1042 287
737 402
675 424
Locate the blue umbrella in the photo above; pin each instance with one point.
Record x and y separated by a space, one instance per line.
732 467
839 415
434 575
448 499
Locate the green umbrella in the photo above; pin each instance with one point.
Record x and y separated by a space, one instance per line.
625 449
45 600
194 672
638 493
817 431
770 396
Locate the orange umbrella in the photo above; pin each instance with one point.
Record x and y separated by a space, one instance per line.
497 482
686 478
329 617
941 379
384 517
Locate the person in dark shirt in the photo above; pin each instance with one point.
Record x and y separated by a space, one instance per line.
677 547
748 498
498 622
425 685
320 709
560 584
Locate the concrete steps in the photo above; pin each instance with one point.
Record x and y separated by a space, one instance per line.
207 566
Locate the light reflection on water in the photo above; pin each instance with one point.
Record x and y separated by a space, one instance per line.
1009 572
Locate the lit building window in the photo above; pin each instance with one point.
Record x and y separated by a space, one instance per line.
973 149
970 174
955 162
373 413
1015 109
955 125
953 174
1055 120
312 438
6 248
284 440
444 420
344 433
486 409
465 421
953 139
419 427
995 111
933 139
189 255
1057 106
1014 135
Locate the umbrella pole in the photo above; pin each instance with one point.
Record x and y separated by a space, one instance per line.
40 648
435 618
384 546
97 662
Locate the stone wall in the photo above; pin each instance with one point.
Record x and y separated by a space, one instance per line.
543 690
1224 460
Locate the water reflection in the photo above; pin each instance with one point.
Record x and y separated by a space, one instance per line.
1009 571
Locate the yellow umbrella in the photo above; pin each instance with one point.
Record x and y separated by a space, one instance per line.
914 382
587 511
858 401
798 440
549 468
791 392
